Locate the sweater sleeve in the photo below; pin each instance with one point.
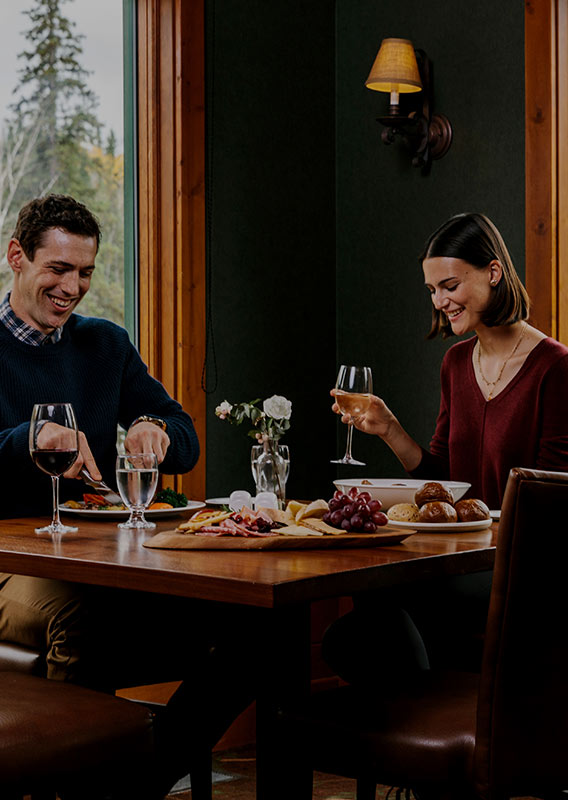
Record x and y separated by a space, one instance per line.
553 445
141 394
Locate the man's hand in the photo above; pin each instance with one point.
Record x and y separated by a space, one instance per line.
58 437
145 437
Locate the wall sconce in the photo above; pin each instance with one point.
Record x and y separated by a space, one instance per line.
398 69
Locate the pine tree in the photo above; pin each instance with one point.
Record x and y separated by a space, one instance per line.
52 86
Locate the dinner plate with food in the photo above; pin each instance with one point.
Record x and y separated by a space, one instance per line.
167 503
435 509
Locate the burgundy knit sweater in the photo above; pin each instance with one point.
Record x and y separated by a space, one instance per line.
525 425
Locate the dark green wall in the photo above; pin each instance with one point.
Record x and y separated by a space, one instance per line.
317 225
271 101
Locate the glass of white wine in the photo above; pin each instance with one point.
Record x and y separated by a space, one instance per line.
354 387
137 479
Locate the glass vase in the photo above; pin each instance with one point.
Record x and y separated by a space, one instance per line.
270 463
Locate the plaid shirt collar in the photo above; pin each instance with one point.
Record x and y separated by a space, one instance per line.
22 331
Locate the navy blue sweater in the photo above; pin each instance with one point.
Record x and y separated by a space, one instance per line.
96 368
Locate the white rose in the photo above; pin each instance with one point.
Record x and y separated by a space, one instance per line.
277 407
223 409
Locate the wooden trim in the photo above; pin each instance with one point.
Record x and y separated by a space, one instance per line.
562 39
541 162
171 164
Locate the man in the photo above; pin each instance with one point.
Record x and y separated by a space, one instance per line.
48 353
107 638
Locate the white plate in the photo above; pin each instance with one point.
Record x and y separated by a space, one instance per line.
443 527
157 513
396 490
217 501
496 514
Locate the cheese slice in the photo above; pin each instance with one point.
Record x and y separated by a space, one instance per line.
297 530
315 509
320 526
294 506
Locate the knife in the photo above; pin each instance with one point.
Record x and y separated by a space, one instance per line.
101 487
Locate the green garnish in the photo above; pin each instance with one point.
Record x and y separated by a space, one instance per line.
175 499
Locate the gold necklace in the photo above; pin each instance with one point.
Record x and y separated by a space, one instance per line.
492 384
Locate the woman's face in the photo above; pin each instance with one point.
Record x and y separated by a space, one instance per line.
460 290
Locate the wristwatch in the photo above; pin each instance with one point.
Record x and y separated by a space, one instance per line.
154 420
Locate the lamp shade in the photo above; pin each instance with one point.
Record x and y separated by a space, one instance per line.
395 68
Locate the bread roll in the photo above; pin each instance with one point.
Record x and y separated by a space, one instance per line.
472 510
404 512
432 491
437 511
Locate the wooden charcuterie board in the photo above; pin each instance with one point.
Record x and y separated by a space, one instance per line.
172 540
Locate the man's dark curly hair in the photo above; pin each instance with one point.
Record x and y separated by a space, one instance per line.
53 211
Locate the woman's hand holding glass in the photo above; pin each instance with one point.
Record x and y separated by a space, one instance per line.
376 419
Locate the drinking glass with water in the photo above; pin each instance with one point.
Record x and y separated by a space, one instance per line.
137 479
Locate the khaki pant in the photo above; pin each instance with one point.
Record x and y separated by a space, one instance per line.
44 614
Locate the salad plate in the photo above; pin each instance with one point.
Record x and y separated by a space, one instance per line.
116 513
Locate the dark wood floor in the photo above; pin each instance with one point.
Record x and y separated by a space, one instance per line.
235 772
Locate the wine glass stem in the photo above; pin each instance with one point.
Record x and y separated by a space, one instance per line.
348 455
55 491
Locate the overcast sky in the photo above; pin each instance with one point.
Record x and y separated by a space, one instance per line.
101 23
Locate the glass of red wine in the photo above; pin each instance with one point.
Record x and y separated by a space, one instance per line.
54 445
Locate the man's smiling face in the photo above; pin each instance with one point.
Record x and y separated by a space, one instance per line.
48 288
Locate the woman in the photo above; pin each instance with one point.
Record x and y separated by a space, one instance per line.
503 404
504 390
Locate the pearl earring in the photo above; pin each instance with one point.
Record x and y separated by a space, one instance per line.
493 282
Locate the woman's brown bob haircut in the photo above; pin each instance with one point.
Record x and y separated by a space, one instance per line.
475 239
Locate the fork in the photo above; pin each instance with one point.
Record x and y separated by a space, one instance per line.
101 487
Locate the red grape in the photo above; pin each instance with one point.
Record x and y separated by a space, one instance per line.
379 518
349 509
327 516
353 492
344 499
375 505
365 497
336 518
356 522
369 527
334 504
364 510
338 494
346 525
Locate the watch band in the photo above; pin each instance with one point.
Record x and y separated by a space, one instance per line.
154 420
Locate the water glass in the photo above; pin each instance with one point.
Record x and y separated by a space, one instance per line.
137 479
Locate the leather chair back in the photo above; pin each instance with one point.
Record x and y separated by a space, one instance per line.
522 721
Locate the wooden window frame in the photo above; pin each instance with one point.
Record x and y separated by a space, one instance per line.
171 206
546 158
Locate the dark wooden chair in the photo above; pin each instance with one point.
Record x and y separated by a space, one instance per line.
450 735
58 737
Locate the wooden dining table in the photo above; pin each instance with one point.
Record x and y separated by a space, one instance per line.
282 582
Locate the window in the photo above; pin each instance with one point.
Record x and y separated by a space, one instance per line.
61 126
